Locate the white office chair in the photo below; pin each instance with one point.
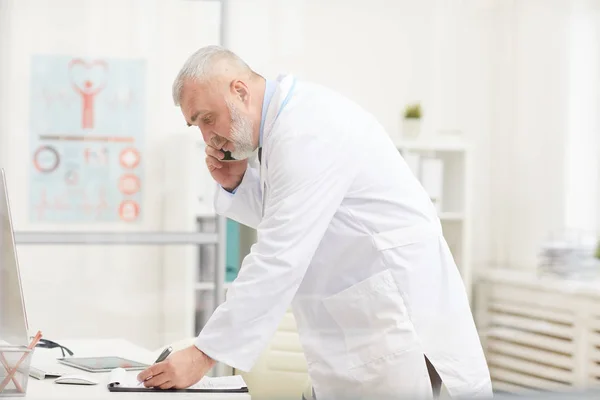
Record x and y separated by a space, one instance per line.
281 371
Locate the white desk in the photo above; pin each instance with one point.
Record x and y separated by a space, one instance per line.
47 389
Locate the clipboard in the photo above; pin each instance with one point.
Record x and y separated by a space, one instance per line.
120 381
117 388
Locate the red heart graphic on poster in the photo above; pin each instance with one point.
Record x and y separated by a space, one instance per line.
88 78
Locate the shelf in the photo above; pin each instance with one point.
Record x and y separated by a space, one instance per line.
210 285
431 145
116 238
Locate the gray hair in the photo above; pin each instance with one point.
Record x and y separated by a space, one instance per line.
202 65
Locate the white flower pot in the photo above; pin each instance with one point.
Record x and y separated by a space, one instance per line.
411 128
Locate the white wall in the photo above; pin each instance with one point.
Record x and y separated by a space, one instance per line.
475 57
544 142
582 172
537 158
100 291
373 52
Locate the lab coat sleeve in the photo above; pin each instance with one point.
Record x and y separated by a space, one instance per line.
308 178
245 205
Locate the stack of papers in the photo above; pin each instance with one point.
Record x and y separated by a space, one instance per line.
570 256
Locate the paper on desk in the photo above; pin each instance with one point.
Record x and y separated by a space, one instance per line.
120 377
220 382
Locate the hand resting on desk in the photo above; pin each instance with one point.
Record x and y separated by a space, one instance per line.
180 370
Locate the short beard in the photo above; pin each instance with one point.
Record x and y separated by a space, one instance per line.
240 133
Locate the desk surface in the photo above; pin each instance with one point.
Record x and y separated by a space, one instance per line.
47 389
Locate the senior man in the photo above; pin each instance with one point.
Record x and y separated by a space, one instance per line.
346 236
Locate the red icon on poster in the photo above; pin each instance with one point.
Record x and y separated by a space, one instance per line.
87 88
129 210
129 158
129 184
46 159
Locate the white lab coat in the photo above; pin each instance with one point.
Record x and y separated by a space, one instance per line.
349 238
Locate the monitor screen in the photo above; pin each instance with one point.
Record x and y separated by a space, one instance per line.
13 320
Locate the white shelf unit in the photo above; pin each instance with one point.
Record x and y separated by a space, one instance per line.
454 211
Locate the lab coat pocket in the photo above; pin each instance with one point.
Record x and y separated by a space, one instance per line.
373 318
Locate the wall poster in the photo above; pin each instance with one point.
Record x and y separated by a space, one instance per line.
87 125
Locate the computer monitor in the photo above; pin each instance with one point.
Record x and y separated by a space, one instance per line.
13 318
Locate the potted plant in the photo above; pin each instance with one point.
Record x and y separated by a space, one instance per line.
598 250
411 126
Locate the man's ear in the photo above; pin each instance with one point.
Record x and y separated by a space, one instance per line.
240 90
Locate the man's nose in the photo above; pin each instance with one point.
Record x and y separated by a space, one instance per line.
206 136
217 141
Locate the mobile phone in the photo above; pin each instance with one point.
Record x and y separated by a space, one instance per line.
228 156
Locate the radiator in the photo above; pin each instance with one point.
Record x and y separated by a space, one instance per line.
539 334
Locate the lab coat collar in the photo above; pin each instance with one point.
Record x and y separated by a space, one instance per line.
284 85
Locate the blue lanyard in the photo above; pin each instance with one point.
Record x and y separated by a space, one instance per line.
284 103
286 100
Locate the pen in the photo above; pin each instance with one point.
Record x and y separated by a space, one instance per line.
160 358
164 355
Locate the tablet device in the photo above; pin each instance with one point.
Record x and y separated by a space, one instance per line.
102 364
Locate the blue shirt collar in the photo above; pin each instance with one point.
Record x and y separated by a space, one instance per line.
270 88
